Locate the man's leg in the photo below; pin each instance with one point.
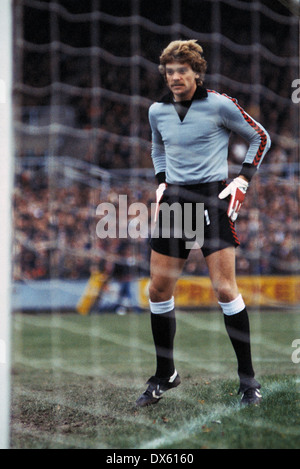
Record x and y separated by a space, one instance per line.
164 272
221 265
163 325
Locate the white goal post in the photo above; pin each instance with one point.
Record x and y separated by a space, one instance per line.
6 165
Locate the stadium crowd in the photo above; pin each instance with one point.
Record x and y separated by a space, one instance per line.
55 231
55 227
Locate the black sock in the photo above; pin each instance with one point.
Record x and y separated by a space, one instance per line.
163 330
238 329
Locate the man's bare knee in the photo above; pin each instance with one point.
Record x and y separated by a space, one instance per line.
226 292
157 294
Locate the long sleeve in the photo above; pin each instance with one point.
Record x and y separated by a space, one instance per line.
236 119
157 147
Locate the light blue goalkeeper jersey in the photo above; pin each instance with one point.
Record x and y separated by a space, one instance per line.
195 150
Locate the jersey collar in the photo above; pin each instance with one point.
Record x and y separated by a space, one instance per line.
200 93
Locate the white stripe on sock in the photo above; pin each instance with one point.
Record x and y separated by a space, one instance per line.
162 306
233 307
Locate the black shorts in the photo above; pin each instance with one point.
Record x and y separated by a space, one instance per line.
219 231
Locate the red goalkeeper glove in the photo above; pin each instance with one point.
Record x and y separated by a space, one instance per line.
159 193
237 190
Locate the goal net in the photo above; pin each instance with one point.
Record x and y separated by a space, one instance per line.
85 74
83 84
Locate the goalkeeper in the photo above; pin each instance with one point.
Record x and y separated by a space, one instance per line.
190 127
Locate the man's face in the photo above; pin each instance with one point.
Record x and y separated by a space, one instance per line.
181 80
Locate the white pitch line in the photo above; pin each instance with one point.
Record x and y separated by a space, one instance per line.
257 339
194 425
186 431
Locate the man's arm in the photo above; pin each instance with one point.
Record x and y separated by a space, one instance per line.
159 160
237 120
157 146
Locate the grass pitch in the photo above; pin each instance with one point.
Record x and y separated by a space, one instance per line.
75 381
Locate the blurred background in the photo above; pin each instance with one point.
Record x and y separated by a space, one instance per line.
85 74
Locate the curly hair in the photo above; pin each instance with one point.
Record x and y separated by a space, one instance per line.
184 51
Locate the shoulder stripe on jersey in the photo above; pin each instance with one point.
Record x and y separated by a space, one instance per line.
263 136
